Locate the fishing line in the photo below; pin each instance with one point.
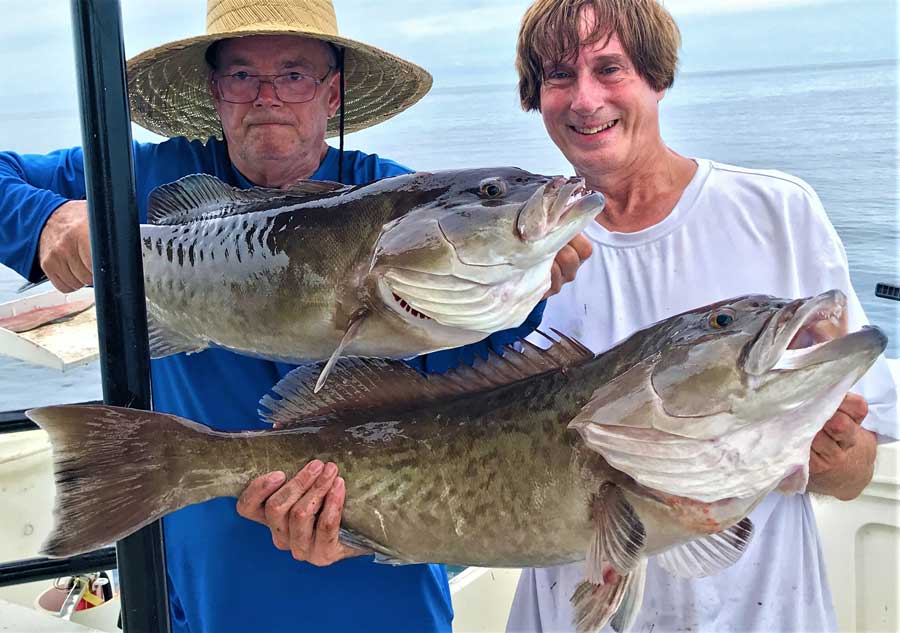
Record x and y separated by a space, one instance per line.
341 123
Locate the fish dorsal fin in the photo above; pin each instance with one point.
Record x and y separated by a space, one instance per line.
618 534
201 196
373 385
709 555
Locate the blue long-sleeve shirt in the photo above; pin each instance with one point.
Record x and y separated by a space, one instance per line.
224 572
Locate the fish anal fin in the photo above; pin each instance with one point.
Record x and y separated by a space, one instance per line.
357 540
628 609
202 196
618 536
166 342
370 386
618 599
708 555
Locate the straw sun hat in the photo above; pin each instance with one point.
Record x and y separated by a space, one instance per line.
168 89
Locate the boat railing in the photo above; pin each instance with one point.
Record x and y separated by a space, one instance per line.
121 323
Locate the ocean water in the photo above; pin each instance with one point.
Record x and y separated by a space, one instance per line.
834 126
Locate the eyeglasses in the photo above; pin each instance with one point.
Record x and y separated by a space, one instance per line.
242 87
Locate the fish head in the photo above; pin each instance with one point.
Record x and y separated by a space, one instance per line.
758 357
476 252
727 398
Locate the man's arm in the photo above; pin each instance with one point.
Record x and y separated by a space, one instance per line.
842 459
34 189
843 452
64 247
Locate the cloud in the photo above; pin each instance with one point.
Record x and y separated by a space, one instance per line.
478 20
712 7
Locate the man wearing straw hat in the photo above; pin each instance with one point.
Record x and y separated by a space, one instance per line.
250 102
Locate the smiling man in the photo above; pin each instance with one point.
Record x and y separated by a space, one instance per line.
679 232
250 102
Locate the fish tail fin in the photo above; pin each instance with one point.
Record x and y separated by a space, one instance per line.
115 469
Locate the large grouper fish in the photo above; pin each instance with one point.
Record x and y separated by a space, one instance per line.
660 446
396 268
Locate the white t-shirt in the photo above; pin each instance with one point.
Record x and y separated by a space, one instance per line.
733 232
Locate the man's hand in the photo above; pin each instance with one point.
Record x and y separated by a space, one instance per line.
303 513
842 459
568 260
64 248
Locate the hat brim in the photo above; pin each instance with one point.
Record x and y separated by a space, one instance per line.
169 95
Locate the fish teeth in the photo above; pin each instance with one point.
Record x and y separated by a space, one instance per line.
793 358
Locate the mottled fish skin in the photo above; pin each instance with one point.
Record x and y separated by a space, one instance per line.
284 281
660 446
501 477
252 283
509 475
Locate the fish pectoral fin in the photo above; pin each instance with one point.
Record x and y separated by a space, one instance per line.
618 536
352 328
201 196
166 342
709 555
618 598
354 539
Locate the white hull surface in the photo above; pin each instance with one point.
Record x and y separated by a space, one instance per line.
69 342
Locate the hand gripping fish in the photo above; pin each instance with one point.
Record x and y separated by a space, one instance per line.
660 446
397 268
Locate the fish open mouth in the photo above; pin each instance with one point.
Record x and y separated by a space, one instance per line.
560 198
569 193
411 310
797 334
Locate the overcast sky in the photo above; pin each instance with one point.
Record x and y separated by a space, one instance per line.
461 42
35 35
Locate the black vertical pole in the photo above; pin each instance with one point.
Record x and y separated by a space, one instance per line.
118 274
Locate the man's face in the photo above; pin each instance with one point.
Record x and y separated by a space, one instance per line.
598 110
268 128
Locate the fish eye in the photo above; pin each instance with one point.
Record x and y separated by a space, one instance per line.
492 188
721 319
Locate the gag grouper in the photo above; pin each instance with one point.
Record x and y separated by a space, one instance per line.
393 269
660 446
